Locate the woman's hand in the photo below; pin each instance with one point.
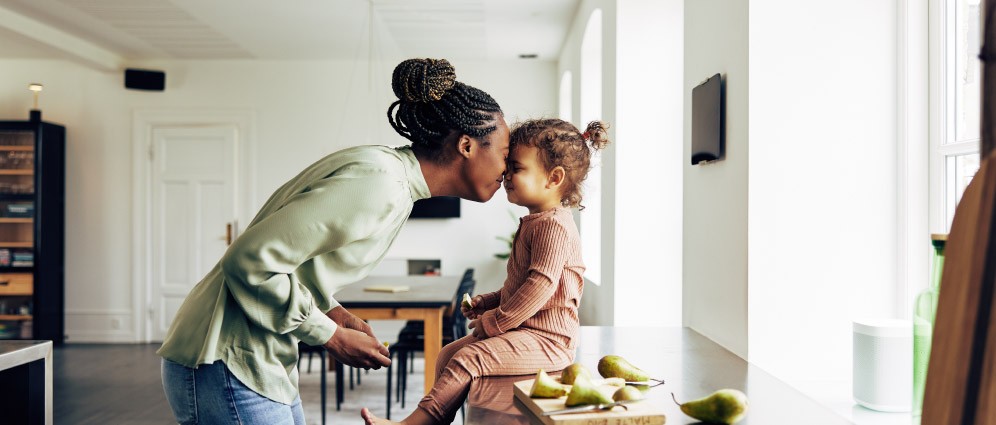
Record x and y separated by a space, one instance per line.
344 318
357 349
477 329
476 311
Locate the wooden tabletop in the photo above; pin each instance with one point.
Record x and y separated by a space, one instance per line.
691 365
425 291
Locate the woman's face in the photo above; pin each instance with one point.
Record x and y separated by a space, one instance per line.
486 168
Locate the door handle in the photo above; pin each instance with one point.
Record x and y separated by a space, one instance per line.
228 233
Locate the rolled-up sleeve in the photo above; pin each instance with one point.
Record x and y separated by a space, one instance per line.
259 265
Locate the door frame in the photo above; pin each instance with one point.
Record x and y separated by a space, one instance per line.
143 123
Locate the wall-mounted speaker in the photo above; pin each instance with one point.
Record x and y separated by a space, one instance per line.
144 79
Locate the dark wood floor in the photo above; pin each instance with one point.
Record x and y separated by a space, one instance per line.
109 384
121 384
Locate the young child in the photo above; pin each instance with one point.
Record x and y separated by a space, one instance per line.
532 322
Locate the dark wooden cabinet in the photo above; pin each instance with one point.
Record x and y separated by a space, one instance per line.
32 230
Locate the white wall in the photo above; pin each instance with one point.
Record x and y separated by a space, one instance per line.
598 302
793 234
641 170
303 110
822 181
648 162
714 270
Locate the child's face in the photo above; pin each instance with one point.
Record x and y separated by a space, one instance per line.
527 181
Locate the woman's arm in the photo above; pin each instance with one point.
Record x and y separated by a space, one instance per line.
258 266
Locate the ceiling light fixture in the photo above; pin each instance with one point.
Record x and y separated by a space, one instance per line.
528 56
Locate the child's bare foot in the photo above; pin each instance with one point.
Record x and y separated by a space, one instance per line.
373 420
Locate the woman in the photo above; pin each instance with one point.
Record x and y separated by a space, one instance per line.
230 355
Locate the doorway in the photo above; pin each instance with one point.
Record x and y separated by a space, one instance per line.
191 195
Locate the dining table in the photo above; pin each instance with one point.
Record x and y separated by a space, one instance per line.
691 366
413 297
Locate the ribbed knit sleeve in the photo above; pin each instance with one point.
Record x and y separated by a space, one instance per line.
550 246
490 301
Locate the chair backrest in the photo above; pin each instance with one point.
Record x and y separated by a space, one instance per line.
459 321
454 308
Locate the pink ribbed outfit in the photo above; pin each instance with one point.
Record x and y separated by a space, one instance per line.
531 323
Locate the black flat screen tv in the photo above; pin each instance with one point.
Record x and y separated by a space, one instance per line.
708 120
437 207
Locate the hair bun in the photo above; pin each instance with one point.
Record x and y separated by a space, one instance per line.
423 80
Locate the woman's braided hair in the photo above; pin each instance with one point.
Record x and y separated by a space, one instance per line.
432 104
561 144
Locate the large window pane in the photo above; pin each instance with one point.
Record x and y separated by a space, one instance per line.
591 109
967 81
959 171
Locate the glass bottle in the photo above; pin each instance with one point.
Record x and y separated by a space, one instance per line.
924 310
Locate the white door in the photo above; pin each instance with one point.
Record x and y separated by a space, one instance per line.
194 196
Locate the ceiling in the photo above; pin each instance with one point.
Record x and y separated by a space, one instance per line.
105 32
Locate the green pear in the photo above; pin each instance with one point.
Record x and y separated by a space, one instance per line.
627 394
572 372
467 302
546 387
615 382
725 406
618 367
585 392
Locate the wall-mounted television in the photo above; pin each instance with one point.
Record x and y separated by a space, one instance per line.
437 207
708 120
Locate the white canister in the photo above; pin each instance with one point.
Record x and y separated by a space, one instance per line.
883 364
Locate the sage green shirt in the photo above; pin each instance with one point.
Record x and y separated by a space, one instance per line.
327 227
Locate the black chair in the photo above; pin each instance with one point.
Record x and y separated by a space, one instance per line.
411 339
413 328
311 351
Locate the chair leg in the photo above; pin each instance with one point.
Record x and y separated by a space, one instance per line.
412 369
388 412
358 380
351 378
323 372
404 385
339 390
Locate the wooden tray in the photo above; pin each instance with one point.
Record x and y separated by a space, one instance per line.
641 413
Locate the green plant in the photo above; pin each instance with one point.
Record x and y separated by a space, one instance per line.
510 240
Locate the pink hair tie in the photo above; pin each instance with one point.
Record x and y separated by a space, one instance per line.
586 135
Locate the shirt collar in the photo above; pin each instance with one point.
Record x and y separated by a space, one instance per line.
541 214
416 181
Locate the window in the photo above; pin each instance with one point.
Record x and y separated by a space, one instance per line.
955 150
591 109
566 111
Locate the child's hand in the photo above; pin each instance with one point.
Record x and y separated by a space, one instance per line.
475 311
477 329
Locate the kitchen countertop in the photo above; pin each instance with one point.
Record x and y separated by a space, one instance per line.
691 365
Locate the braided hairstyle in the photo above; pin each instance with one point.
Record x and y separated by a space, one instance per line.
432 105
561 144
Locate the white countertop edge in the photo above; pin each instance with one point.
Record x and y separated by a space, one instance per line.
32 351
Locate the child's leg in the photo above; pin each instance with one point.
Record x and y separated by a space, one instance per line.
449 350
512 353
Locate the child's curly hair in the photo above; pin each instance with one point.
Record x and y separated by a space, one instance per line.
561 144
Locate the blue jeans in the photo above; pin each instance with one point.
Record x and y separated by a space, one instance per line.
210 394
